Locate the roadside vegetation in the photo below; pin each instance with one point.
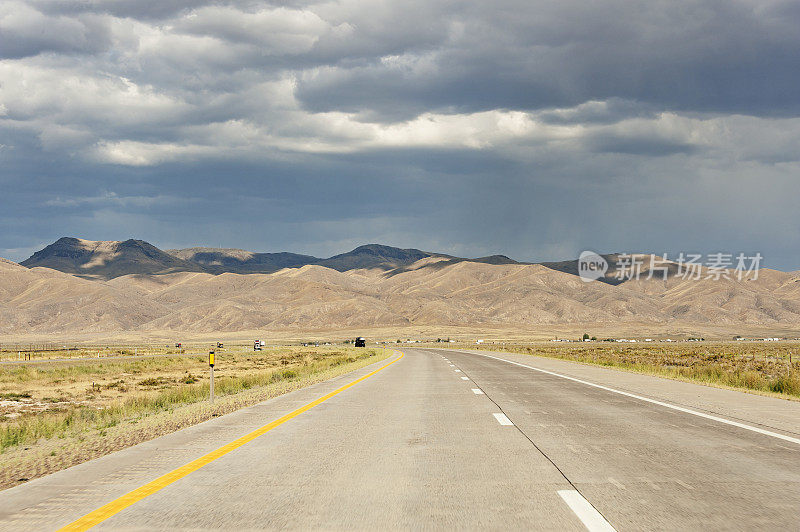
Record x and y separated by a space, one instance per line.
34 352
763 367
59 414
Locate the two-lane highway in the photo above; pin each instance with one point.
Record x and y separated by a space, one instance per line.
436 439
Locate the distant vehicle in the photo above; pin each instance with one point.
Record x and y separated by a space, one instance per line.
219 345
258 345
361 342
179 344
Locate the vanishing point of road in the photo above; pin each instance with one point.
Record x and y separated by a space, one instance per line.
446 439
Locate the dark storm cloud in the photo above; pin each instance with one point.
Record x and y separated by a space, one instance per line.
532 129
705 56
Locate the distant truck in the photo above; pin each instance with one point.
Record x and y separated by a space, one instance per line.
361 342
258 345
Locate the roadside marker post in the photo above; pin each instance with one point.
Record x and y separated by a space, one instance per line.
211 365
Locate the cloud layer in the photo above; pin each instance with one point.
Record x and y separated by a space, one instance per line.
534 129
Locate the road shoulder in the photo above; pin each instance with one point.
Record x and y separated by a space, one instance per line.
70 492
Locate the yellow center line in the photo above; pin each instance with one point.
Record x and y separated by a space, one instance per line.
104 512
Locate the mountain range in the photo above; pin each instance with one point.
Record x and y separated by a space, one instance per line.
109 259
81 286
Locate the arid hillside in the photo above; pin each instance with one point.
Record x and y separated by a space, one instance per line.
44 300
431 290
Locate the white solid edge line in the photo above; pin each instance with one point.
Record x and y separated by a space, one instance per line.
502 419
588 514
659 403
477 391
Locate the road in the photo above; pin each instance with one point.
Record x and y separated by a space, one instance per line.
448 439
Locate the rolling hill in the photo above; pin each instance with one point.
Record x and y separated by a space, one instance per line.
133 286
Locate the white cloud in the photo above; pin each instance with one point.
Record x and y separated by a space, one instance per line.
335 133
133 153
33 91
275 31
512 132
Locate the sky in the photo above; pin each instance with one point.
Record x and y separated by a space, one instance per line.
534 129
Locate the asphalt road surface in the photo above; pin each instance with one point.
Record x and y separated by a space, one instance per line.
443 439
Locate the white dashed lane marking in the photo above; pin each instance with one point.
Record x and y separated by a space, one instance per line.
588 514
617 483
477 391
502 419
464 378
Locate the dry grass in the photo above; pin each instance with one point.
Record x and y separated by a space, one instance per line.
751 366
62 415
38 352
